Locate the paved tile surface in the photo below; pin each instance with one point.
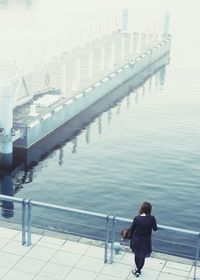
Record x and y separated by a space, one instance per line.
50 258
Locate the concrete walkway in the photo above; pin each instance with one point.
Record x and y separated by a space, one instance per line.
57 258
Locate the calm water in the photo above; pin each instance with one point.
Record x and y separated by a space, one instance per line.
146 147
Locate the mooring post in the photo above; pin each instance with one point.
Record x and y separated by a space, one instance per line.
6 124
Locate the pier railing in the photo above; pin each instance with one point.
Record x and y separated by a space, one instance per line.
109 226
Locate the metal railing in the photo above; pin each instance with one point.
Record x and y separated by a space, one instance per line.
110 223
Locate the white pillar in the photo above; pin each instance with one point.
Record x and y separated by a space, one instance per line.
102 61
143 41
127 38
125 19
6 123
166 24
63 79
112 55
90 70
122 48
78 72
135 42
131 44
150 39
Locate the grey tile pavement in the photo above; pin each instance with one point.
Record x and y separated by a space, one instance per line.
50 258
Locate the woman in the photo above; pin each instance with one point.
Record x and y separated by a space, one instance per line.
141 230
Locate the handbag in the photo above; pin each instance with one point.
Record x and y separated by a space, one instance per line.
126 233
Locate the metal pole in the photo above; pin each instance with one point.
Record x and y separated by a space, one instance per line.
24 221
106 239
29 224
113 238
197 256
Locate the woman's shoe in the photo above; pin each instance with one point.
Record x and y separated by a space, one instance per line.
136 272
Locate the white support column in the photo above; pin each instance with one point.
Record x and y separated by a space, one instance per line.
125 19
112 55
131 44
78 73
122 48
6 124
135 42
63 79
166 24
127 38
91 61
143 41
150 39
102 61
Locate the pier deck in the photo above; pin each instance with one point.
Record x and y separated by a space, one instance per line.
56 256
44 113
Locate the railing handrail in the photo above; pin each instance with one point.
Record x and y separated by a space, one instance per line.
11 198
90 213
121 219
68 209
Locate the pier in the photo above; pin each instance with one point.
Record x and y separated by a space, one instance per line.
35 104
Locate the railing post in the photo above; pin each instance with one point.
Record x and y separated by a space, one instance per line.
106 239
113 238
197 256
24 202
29 223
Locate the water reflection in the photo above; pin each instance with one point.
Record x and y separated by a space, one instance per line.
87 134
7 189
100 125
61 156
75 144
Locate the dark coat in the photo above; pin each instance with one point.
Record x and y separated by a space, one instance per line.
141 230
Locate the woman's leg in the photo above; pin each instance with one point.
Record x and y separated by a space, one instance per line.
137 261
140 264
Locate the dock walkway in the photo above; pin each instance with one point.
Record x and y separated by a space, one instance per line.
61 257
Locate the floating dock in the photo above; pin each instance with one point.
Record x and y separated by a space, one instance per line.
35 104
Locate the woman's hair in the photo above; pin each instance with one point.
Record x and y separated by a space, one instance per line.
145 208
